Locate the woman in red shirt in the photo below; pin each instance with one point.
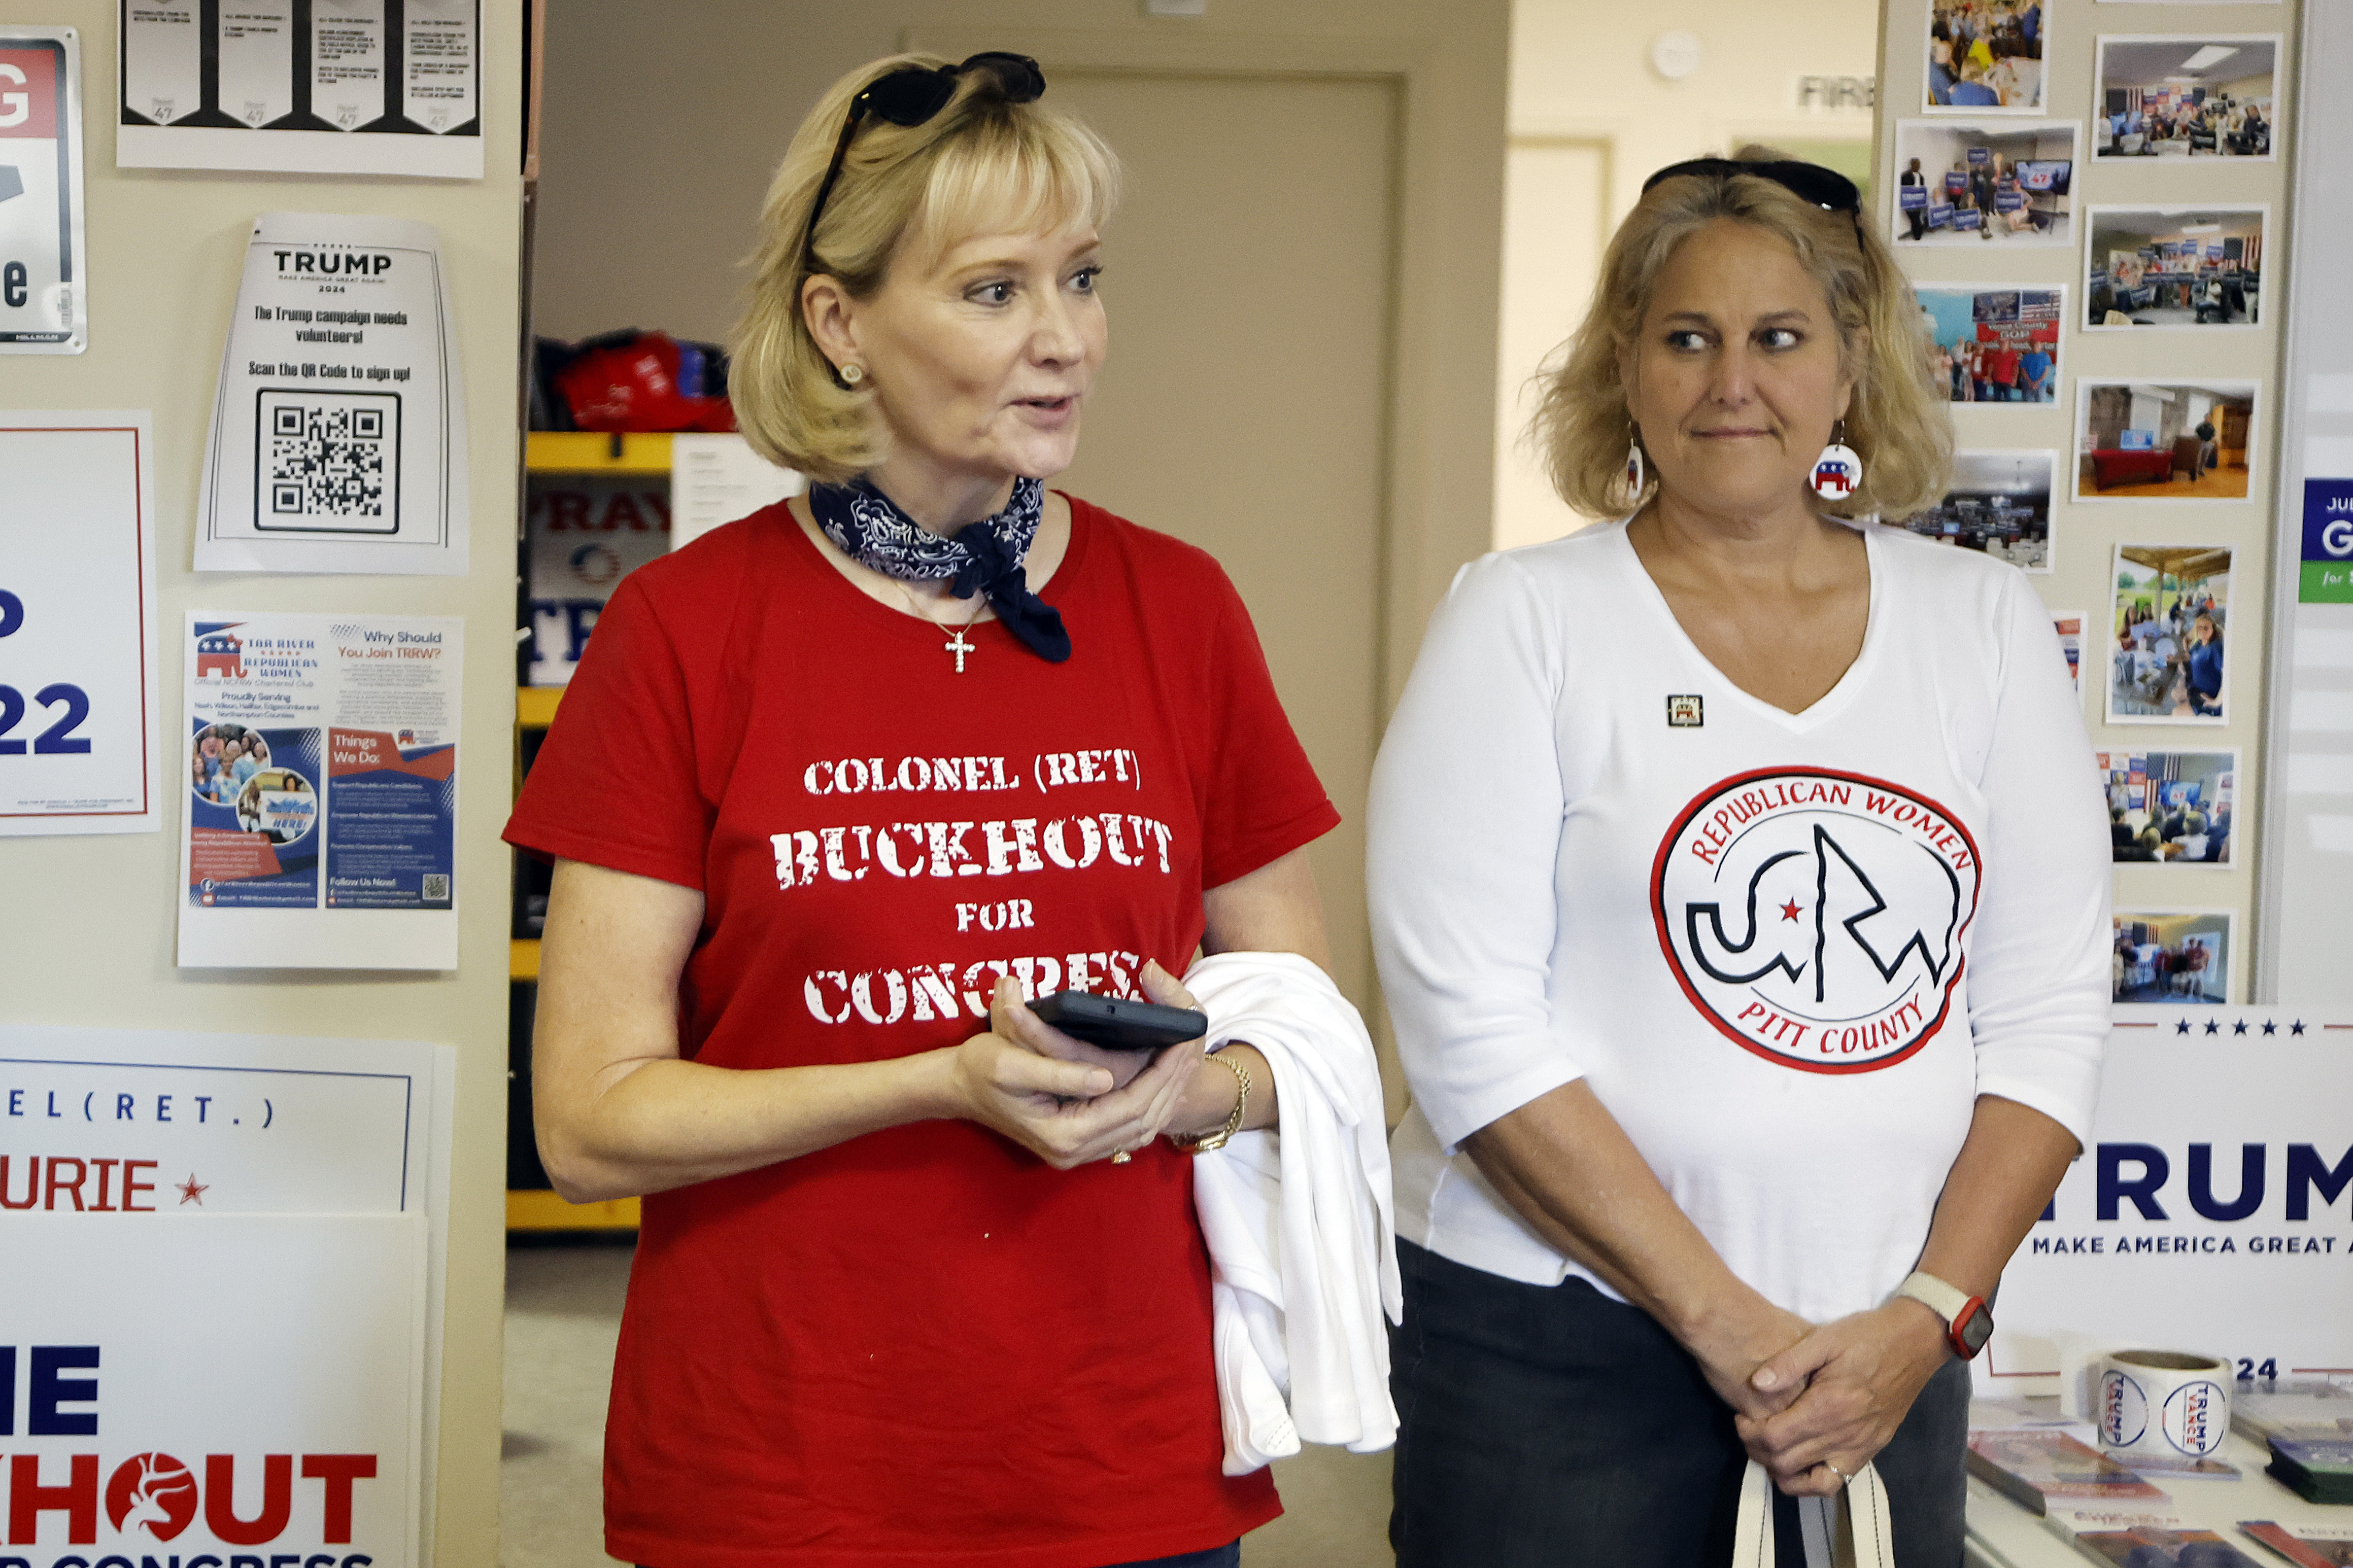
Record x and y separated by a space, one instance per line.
919 1280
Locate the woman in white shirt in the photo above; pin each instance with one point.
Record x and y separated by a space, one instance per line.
1715 1152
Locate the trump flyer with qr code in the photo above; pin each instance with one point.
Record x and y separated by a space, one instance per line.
320 769
339 431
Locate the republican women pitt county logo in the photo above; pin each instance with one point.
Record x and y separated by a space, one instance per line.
1815 917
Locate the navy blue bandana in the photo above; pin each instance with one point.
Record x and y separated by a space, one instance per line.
984 557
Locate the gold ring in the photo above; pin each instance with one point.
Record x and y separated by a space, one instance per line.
1122 1157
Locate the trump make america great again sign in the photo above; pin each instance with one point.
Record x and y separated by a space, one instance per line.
2212 1211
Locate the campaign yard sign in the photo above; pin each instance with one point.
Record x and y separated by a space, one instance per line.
215 1308
2213 1212
44 268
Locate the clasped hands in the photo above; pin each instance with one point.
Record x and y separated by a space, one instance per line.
1067 1101
1816 1410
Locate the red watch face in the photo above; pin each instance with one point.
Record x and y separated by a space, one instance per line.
1971 1329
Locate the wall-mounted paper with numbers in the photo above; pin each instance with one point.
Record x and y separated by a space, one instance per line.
326 87
78 710
319 762
338 429
43 273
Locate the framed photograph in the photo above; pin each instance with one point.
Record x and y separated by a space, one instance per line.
2195 97
2069 625
2173 266
2164 440
2170 808
1999 504
1985 181
2169 956
1984 57
1995 342
2168 635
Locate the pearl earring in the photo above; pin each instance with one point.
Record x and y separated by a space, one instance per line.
1839 469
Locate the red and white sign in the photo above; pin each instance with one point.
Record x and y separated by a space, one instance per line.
43 265
216 1309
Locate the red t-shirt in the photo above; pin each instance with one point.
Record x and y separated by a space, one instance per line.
925 1345
2001 366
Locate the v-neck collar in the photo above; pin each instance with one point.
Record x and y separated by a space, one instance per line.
1823 709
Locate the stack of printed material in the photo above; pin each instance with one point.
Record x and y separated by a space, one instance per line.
2160 1543
2317 1472
2040 1466
2306 1545
2306 1409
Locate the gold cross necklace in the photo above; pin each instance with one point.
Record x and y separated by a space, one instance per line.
956 644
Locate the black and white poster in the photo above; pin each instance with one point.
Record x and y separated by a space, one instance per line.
328 87
339 431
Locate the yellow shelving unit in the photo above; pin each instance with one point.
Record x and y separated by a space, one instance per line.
591 452
548 1211
535 706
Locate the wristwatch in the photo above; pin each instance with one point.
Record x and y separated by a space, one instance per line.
1968 1321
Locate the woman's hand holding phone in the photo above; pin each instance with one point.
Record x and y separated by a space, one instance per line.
1068 1101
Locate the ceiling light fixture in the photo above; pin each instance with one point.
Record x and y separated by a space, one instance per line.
2208 55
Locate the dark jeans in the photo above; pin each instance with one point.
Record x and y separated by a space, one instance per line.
1551 1426
1227 1556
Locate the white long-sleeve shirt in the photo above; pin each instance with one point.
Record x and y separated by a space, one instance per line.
1787 951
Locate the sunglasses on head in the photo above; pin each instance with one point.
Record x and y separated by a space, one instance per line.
910 95
1826 189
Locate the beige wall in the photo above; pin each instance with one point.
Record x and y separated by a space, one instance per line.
1590 120
165 249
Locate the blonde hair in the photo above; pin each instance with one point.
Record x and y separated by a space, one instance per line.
1897 419
980 161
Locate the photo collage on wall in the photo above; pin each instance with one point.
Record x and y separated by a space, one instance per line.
2139 207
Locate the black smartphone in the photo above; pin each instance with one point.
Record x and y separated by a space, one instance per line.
1117 1025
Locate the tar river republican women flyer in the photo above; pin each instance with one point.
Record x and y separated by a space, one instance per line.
321 774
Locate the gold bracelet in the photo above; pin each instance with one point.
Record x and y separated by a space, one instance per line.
1218 1140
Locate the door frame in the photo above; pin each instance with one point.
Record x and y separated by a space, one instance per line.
1438 483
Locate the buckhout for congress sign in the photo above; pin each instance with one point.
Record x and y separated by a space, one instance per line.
242 1388
2213 1212
213 1303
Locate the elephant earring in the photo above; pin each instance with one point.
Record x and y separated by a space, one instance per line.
1839 469
1634 474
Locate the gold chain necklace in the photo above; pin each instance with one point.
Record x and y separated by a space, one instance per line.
955 644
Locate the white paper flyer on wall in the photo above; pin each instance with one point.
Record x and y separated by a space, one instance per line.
321 769
338 429
326 87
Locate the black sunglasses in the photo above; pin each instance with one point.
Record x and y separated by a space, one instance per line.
910 95
1826 189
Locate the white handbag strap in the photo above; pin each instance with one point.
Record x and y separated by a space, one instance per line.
1867 1542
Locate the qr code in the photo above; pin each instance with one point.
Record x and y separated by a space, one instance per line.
437 887
328 462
